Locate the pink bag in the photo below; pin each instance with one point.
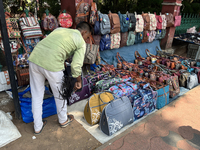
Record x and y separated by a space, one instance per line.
159 22
177 21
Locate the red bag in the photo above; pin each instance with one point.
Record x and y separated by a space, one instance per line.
159 22
65 20
177 21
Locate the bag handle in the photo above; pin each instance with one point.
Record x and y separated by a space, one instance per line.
138 56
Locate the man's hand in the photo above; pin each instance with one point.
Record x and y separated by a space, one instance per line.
77 86
78 83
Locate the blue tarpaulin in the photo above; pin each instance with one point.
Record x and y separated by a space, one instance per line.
128 52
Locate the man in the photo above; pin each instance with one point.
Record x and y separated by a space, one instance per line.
47 62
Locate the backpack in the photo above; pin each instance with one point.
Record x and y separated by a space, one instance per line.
105 42
104 23
82 12
93 13
159 21
124 38
49 22
115 40
158 34
170 19
146 18
65 20
138 37
131 38
139 23
163 33
152 35
145 36
164 21
97 27
132 21
124 22
114 22
153 21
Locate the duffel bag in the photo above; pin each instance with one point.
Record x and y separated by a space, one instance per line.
116 115
95 106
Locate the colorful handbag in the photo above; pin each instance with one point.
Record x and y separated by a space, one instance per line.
116 115
65 20
143 101
95 106
139 23
14 45
30 26
12 26
153 22
164 21
173 83
115 40
30 44
159 21
93 13
49 22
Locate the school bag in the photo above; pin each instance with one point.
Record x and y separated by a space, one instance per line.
153 22
49 22
105 42
131 38
164 21
139 23
138 37
124 22
65 19
115 40
82 12
159 21
114 22
170 19
104 23
152 35
93 13
145 36
146 18
124 38
97 28
132 21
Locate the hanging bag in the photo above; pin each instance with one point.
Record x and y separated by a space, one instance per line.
159 21
115 40
146 21
124 22
170 19
12 26
104 23
139 23
91 52
105 42
116 115
82 12
132 21
30 26
164 21
65 19
49 22
114 22
131 38
153 22
124 38
93 13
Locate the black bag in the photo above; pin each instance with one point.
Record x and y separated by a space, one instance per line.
132 21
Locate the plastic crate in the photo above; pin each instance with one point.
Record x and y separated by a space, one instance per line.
193 51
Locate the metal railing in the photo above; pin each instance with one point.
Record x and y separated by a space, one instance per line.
188 21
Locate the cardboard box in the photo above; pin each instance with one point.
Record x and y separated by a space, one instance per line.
4 81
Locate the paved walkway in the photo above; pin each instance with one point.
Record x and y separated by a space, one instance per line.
174 127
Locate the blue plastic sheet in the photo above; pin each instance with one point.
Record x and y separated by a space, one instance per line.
49 106
128 52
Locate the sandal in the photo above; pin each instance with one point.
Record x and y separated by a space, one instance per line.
69 120
44 123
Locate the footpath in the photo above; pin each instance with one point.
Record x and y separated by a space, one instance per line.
174 127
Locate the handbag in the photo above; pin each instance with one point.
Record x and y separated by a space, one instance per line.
49 22
114 22
30 26
82 12
170 19
192 81
95 106
124 38
91 52
23 77
143 101
14 45
177 21
30 44
116 115
12 26
163 93
65 19
183 79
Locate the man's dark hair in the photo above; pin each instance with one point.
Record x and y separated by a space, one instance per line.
84 26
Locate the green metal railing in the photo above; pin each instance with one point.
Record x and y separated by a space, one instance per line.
188 21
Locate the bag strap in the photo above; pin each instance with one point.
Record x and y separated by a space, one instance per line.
138 56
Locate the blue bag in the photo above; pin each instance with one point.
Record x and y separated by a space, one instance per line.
49 106
104 23
143 101
97 28
105 42
138 37
124 22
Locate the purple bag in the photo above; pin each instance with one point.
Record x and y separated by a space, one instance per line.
83 94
